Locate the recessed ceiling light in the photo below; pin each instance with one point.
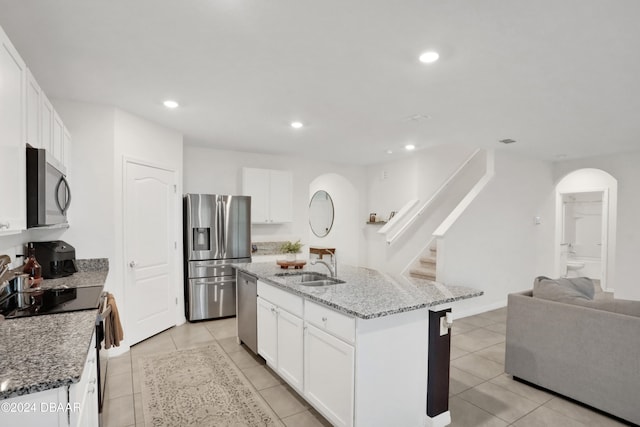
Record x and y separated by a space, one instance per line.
409 147
170 104
296 125
429 57
389 151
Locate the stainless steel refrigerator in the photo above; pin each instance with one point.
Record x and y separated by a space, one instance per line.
217 232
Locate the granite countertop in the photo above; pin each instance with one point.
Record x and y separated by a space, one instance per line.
49 351
367 293
91 272
43 352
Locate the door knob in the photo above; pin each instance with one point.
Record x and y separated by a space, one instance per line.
133 264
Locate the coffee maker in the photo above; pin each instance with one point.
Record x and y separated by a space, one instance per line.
57 258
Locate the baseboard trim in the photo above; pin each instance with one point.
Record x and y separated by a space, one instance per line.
440 420
472 311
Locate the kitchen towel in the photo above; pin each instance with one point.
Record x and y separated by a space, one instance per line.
113 333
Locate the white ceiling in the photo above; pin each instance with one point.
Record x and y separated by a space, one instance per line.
560 77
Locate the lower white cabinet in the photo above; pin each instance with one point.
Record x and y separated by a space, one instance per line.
268 332
280 336
69 406
290 357
84 394
355 372
329 375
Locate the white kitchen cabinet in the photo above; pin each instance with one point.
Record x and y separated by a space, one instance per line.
57 138
329 375
69 406
350 366
290 348
267 332
66 148
46 120
13 78
84 393
281 333
271 194
35 409
34 121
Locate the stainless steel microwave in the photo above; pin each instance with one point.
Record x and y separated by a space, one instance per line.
48 193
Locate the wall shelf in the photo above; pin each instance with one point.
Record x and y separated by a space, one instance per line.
376 222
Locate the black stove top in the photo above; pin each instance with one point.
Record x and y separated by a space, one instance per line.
49 301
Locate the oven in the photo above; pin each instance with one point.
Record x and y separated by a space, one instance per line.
102 358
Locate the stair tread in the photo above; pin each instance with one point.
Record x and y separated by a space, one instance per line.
428 260
423 272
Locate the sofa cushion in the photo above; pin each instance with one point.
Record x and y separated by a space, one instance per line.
568 290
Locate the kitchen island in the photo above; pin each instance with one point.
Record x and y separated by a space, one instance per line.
357 351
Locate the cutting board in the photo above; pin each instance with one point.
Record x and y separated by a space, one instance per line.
286 264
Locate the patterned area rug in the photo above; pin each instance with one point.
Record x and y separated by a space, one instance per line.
200 387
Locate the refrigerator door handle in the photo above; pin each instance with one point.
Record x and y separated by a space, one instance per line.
223 233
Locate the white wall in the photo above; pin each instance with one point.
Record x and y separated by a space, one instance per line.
391 185
624 168
208 170
90 173
90 177
495 245
348 218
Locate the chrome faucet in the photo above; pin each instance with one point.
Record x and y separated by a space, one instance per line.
333 267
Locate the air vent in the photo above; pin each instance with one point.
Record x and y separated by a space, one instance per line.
507 141
416 118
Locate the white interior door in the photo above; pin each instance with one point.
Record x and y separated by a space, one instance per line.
149 209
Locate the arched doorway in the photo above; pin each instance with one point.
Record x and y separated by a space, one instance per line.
586 211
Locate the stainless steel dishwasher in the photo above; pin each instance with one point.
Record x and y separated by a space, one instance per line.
247 286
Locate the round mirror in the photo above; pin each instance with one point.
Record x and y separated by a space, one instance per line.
321 213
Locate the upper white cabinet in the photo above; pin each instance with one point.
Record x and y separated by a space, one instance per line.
26 117
46 120
13 78
58 137
271 194
34 121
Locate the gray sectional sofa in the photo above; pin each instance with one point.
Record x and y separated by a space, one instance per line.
583 348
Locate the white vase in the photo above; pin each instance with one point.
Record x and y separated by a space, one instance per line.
290 256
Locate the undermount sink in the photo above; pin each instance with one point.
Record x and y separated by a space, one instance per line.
322 282
311 279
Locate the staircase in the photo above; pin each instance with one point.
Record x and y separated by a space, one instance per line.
425 266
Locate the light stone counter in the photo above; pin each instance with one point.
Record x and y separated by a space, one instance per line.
44 352
367 293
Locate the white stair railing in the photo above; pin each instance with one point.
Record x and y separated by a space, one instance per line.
399 216
427 204
471 195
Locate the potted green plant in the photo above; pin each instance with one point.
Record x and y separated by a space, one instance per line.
290 249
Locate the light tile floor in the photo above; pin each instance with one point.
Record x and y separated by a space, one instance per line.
481 394
123 401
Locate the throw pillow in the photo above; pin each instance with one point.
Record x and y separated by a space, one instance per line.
563 290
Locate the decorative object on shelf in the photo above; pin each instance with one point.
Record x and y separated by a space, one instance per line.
392 214
291 249
295 264
377 222
372 217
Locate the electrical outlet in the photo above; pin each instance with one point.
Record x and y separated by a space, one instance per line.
444 326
